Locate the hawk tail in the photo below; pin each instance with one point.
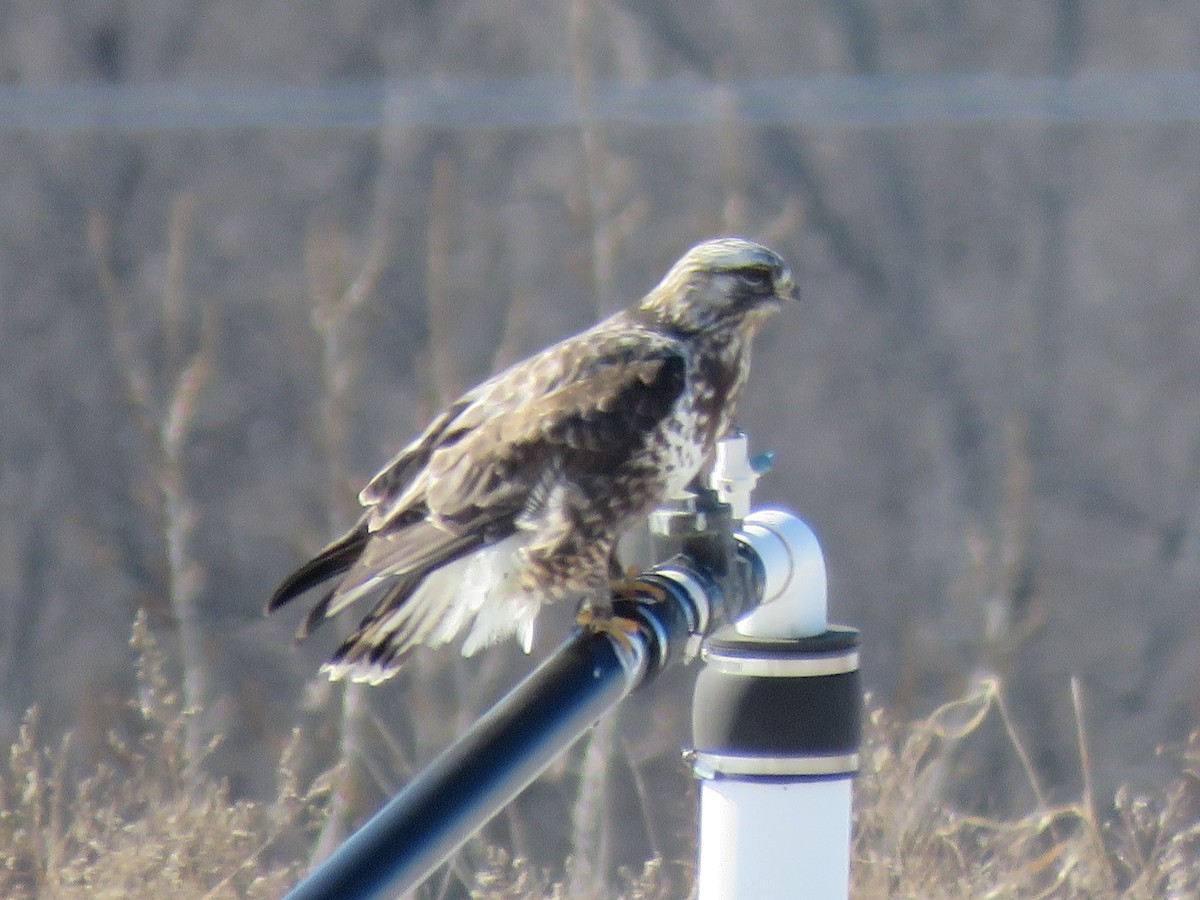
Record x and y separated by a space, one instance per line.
470 588
335 559
426 585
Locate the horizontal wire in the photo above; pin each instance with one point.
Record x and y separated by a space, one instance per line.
549 102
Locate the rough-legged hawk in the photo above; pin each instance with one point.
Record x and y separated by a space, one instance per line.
516 494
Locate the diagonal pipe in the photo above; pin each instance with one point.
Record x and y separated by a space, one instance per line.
520 737
714 574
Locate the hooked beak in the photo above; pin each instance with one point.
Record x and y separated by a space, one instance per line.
785 286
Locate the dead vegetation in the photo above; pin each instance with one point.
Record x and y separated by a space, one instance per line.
148 821
911 841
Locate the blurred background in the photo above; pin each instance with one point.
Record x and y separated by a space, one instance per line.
247 248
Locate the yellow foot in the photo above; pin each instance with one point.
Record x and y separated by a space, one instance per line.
619 628
633 588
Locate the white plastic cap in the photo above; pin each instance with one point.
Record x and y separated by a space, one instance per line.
795 597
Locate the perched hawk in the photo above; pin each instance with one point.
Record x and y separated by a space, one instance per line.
516 494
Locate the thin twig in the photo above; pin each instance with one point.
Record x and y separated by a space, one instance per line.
730 134
597 198
181 224
400 761
1092 822
385 782
437 284
508 349
180 518
1085 754
643 792
1014 737
590 819
137 378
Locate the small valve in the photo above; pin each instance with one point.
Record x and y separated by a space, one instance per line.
734 473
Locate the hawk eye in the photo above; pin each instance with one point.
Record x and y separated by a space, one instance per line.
760 278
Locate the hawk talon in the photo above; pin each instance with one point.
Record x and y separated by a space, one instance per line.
619 628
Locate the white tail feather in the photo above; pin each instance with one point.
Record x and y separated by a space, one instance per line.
481 590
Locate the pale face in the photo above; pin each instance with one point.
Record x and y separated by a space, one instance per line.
721 284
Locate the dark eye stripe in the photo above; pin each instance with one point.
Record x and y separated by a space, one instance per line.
757 272
759 276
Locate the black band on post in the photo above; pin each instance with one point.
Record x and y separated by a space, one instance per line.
778 707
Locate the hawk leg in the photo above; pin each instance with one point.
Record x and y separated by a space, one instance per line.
621 629
626 582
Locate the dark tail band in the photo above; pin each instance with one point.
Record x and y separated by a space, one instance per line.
333 560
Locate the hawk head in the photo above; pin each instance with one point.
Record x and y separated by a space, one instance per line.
722 284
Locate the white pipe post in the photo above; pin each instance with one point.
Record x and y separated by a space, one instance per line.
776 720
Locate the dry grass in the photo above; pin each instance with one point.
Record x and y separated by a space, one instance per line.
910 842
147 822
506 878
150 822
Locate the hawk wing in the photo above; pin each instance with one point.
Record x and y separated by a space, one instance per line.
594 398
584 406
